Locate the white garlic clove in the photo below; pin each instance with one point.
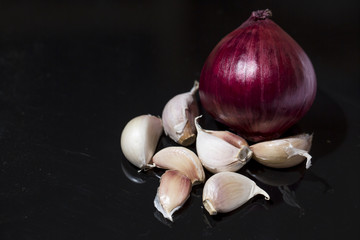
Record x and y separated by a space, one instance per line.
221 151
285 152
140 138
226 191
172 193
178 117
181 159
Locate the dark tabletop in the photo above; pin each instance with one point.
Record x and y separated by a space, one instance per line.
73 74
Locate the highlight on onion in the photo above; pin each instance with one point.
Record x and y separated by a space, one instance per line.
257 80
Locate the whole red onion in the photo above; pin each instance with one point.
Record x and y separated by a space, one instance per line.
258 80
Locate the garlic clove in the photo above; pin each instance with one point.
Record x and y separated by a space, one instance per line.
181 159
226 191
285 152
172 193
178 117
221 151
140 138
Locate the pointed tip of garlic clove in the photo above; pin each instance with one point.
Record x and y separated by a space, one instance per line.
261 192
181 159
195 87
284 152
308 161
139 139
196 121
221 151
159 207
172 193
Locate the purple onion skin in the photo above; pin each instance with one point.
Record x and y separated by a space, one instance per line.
257 80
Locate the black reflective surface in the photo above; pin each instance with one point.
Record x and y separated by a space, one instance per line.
73 74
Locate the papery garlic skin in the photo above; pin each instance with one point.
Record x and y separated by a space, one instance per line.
221 151
178 117
285 152
140 138
223 192
181 159
172 193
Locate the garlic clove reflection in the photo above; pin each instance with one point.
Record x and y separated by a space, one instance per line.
226 191
140 138
178 117
285 152
172 193
181 159
221 151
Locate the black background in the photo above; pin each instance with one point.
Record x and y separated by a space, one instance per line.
72 74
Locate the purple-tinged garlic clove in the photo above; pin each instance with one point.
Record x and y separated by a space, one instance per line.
172 193
224 192
181 159
285 152
221 151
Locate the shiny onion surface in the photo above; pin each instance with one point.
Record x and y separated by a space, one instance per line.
257 80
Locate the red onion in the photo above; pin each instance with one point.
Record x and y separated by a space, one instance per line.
258 80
